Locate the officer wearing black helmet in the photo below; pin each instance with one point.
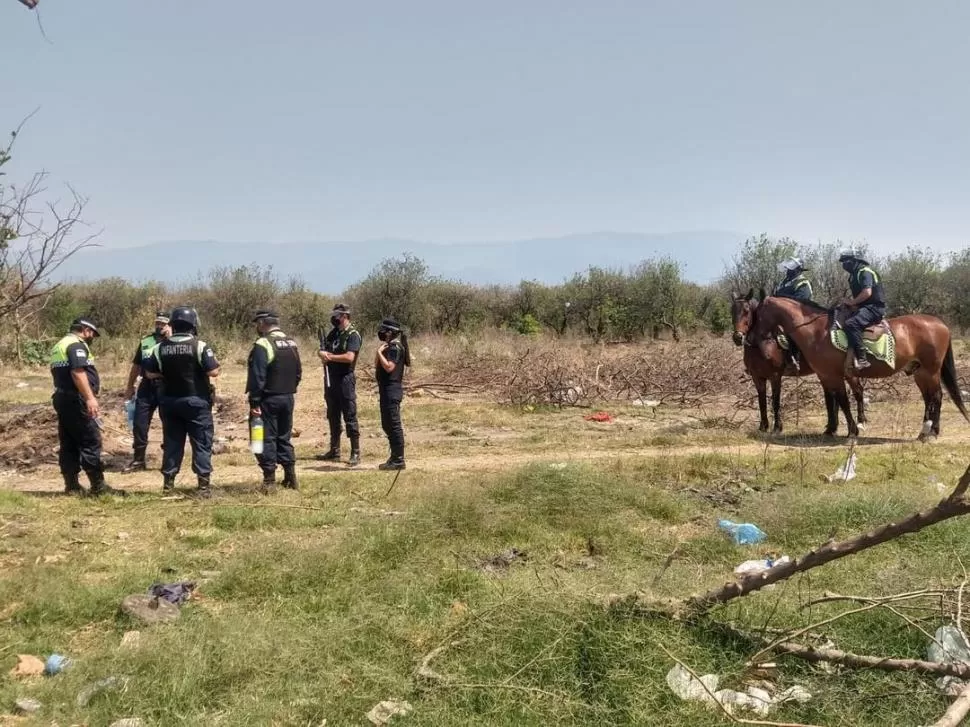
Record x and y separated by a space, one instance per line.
391 359
146 397
76 388
185 364
274 375
339 351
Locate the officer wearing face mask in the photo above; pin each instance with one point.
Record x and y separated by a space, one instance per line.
146 398
391 359
338 352
867 302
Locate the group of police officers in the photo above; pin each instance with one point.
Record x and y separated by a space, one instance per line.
176 368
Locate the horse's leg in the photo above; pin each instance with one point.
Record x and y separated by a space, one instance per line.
929 386
776 402
832 414
762 386
842 399
860 404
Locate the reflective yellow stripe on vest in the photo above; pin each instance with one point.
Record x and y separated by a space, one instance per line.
59 352
866 269
265 344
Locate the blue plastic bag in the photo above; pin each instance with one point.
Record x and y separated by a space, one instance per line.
130 414
743 533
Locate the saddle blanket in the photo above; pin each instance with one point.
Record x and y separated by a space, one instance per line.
882 348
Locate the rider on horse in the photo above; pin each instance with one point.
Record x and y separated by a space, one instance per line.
867 303
797 286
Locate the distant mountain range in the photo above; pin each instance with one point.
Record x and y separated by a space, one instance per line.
332 266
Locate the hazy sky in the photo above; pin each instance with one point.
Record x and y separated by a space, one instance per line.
451 120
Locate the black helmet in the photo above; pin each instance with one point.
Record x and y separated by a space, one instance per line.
184 318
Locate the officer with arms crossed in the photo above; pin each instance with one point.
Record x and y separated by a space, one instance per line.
76 387
274 376
339 351
185 365
146 399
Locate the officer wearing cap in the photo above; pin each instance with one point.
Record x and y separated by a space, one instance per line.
185 364
146 398
389 363
76 388
274 375
339 351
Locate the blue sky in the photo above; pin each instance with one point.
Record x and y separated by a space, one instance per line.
461 121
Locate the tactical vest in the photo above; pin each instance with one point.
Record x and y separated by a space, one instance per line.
791 287
180 363
855 284
392 378
60 365
338 344
282 357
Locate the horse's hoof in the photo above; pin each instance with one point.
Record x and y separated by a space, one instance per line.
926 438
862 426
776 431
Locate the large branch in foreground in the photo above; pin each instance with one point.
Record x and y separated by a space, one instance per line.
955 715
862 661
953 506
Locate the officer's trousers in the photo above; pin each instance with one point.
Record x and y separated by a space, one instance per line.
79 436
146 402
277 417
186 416
859 321
390 400
341 398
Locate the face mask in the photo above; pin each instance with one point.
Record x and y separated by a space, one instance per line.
335 321
847 266
384 335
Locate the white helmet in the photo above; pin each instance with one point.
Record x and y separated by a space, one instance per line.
790 265
848 253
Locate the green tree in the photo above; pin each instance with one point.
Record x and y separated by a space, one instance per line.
396 288
912 282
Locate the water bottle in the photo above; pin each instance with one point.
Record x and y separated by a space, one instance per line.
130 413
743 533
256 435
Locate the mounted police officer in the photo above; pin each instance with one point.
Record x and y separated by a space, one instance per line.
338 352
76 388
185 364
274 376
797 286
391 359
867 302
146 398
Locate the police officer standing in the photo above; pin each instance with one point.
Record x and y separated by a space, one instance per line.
339 351
389 363
274 376
76 388
146 399
185 364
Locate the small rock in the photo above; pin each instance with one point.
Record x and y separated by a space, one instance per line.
27 666
89 692
28 706
382 713
23 385
220 448
131 640
149 610
128 722
123 536
210 573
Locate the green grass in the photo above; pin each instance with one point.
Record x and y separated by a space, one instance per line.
321 613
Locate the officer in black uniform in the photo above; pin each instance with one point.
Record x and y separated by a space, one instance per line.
76 388
389 363
185 364
867 302
146 398
274 376
339 351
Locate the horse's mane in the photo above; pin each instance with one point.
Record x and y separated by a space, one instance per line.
811 305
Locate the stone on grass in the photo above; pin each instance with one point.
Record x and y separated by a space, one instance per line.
27 666
28 706
131 640
383 712
129 722
89 692
148 609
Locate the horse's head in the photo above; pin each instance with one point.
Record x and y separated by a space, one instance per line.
743 309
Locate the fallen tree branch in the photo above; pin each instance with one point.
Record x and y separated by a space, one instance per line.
957 711
881 663
953 506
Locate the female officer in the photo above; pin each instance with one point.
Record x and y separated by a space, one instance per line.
389 362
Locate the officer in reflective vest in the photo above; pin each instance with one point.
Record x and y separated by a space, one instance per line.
391 359
273 378
339 351
146 398
185 365
76 388
867 302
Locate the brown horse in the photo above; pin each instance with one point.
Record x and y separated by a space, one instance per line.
923 351
765 362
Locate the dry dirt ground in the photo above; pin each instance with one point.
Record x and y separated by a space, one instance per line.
444 433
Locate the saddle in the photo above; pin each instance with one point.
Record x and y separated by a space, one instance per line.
872 333
878 339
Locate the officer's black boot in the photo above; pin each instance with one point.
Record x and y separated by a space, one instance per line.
168 486
331 454
205 487
72 485
289 477
100 487
354 452
394 462
137 462
269 482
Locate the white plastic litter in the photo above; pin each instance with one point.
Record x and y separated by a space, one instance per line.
949 646
758 566
846 472
757 700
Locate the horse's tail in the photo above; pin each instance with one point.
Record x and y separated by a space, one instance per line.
949 375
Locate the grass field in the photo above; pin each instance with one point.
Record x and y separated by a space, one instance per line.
312 607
